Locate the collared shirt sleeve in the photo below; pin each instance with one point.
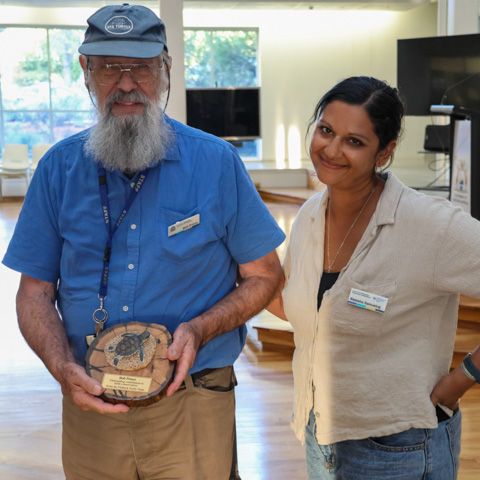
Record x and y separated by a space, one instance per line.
457 266
251 231
36 245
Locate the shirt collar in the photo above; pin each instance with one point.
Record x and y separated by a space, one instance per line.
386 206
388 201
321 205
173 153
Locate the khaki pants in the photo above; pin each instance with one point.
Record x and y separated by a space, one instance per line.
188 436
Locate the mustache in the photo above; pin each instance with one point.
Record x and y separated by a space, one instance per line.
133 96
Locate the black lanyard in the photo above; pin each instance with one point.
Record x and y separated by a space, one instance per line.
100 315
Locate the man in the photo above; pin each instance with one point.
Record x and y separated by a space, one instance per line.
190 224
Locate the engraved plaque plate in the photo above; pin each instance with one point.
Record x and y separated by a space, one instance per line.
130 361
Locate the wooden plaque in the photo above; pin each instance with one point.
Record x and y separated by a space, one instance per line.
130 361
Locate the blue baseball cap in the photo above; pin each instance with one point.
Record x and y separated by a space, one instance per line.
124 31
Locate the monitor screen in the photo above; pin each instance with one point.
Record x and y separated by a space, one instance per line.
225 112
439 70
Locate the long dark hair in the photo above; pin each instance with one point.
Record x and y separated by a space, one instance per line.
381 101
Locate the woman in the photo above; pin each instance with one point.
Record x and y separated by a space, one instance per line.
373 271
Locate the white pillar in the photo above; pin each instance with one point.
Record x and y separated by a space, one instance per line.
171 12
442 17
462 17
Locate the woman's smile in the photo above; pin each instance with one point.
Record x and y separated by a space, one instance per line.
331 165
344 146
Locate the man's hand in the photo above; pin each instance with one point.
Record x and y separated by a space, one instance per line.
450 389
184 348
43 330
84 390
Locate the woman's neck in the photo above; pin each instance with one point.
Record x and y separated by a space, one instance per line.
347 203
346 219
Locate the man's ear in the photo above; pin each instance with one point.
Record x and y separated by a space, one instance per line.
383 156
84 64
168 66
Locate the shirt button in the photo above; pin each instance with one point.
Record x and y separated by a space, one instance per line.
132 184
131 266
133 226
317 414
125 308
313 387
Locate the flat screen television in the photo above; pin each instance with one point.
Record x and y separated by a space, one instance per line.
439 70
229 113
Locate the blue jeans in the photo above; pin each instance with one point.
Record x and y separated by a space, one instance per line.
416 454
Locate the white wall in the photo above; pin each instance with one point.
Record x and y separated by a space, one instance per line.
45 16
462 17
303 54
171 12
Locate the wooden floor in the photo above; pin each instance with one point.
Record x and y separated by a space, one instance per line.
30 400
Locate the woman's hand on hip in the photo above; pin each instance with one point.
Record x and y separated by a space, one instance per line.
450 388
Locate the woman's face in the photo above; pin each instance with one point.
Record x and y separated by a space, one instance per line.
344 146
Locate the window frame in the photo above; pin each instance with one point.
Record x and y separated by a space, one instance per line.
236 141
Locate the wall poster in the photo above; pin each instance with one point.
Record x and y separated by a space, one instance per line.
461 187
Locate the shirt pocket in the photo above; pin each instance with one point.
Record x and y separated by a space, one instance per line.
181 246
348 319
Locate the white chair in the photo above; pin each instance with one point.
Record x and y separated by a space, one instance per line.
15 162
15 157
38 151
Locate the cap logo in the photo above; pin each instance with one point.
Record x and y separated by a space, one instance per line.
119 25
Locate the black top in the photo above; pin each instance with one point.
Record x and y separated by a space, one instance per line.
326 283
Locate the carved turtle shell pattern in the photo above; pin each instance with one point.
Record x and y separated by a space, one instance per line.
131 343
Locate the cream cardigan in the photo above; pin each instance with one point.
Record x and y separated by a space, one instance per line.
367 373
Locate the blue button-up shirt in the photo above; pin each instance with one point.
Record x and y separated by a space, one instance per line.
61 236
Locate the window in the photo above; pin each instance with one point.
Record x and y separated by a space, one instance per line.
222 59
42 95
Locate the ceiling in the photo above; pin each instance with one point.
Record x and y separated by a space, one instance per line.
235 4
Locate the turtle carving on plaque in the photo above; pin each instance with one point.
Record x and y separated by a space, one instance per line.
131 346
130 361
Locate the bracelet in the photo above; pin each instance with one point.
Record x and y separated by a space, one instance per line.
469 368
467 373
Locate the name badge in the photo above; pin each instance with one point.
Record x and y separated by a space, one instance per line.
367 300
186 224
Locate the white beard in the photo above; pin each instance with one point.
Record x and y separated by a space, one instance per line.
132 142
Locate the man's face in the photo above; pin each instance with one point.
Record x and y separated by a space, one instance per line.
126 84
131 132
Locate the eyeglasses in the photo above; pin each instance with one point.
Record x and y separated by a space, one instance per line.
110 73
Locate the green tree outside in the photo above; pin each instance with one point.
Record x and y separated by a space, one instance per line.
63 59
235 55
221 58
